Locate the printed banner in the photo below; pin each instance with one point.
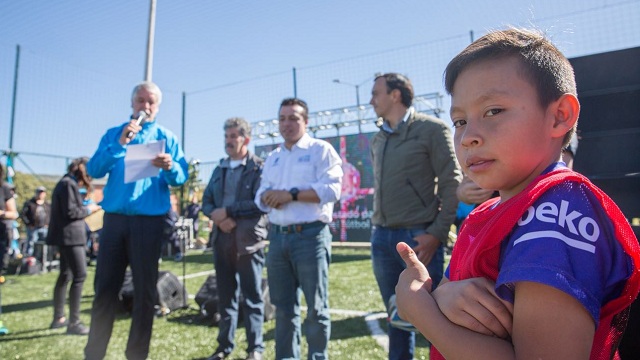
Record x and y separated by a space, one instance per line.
352 214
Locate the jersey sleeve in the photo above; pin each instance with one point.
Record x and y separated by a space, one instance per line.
567 241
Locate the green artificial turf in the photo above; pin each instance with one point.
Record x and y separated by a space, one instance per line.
183 334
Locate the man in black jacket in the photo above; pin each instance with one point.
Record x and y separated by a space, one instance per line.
238 240
36 213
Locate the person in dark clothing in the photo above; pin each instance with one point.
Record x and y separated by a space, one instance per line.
36 214
68 232
192 212
8 211
171 236
239 234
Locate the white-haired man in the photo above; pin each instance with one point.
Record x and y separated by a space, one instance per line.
133 223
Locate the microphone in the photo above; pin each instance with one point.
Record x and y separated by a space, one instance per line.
142 117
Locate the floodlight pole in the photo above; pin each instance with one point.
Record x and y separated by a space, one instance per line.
11 154
295 83
15 95
357 87
358 106
150 39
184 120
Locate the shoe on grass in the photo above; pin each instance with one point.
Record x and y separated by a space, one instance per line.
77 329
395 320
57 324
254 355
218 355
3 329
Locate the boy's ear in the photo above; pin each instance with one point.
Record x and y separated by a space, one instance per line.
565 110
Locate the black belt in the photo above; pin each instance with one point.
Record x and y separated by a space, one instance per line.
407 227
295 228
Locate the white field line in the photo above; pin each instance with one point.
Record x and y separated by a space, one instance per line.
377 333
195 275
372 319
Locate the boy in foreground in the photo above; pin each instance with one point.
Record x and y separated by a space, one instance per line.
548 269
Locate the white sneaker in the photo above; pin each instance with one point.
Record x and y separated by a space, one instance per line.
394 319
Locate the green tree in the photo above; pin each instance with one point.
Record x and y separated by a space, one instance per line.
26 185
190 187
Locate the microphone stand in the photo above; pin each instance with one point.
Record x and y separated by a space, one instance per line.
184 234
184 270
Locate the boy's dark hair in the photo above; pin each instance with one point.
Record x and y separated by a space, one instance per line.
543 65
296 101
401 83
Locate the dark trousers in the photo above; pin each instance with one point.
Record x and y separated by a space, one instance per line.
73 265
3 250
4 245
126 240
235 273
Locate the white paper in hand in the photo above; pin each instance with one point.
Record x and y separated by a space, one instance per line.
137 161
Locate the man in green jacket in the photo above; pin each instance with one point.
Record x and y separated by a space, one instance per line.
416 175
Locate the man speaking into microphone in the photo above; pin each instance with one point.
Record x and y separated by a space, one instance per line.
133 222
142 117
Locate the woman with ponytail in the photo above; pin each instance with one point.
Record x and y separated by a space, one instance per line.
67 230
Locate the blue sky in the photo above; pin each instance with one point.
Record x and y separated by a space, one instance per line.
79 59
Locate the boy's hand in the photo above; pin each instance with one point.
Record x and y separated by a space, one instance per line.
473 304
414 283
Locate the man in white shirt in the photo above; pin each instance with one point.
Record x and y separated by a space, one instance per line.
301 180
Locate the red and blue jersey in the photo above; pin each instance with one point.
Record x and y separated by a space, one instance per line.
561 231
567 241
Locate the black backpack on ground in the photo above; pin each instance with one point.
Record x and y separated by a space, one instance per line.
207 300
171 293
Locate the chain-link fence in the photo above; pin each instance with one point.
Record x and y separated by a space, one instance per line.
74 106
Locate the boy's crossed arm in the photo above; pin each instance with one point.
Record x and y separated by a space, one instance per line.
550 324
416 305
473 304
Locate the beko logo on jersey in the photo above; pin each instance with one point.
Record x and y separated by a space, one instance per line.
573 221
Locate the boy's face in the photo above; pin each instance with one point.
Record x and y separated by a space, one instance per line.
502 134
